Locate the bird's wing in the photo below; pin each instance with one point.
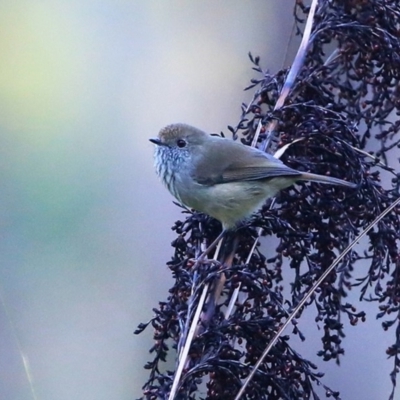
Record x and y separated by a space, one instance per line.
229 161
256 173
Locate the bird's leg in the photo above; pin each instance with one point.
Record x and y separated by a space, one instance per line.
211 247
218 284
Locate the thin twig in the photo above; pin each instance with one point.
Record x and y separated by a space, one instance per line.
24 358
290 79
183 355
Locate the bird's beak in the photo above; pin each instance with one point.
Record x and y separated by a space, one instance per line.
158 142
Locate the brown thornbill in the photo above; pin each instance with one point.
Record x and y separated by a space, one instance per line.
220 177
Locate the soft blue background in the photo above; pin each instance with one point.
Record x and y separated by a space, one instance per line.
84 221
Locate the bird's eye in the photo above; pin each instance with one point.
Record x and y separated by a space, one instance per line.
181 143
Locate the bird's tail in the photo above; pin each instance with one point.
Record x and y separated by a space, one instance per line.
325 179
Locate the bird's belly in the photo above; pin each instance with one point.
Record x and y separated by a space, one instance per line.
230 202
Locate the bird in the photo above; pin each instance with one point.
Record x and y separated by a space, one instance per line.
220 177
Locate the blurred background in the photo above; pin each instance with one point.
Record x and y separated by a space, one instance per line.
83 85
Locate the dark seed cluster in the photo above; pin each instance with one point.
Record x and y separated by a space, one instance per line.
342 116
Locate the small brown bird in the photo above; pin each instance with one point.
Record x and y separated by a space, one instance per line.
220 177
